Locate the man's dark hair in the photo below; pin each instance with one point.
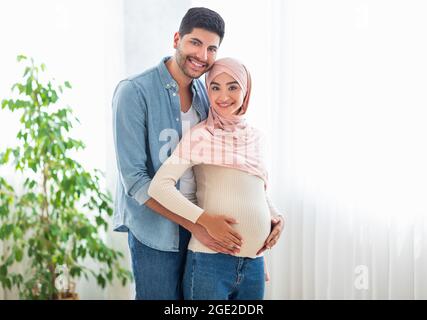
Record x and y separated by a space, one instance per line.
202 18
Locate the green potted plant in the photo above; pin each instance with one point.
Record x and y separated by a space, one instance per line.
53 223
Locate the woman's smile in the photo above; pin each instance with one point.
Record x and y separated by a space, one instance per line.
225 95
224 104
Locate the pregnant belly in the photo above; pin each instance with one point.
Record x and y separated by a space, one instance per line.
253 225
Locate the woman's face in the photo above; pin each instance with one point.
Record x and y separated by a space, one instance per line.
225 95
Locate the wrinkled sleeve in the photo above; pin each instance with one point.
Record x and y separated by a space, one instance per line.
130 139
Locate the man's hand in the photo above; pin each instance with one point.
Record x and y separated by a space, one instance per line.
203 236
276 230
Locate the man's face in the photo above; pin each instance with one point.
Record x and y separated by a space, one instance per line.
196 51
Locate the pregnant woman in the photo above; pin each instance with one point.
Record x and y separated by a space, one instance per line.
232 203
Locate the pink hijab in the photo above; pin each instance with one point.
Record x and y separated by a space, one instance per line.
226 141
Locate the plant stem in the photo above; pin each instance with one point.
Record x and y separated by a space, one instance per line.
45 208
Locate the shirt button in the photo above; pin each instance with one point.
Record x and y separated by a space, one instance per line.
177 119
174 94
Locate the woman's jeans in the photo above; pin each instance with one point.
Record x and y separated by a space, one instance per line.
223 277
158 274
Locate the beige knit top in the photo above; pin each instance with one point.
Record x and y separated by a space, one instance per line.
220 190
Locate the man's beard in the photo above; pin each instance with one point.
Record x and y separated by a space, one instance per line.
181 60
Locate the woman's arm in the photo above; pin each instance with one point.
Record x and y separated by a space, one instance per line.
162 188
196 229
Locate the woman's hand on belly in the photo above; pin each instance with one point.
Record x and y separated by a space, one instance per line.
201 234
277 224
219 228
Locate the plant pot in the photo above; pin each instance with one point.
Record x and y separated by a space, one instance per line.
68 296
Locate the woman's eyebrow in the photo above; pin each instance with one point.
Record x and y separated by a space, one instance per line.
228 83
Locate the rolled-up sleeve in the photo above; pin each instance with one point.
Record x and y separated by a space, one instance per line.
130 136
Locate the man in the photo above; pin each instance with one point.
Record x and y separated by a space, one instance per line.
147 110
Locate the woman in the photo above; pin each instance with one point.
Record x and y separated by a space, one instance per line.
224 152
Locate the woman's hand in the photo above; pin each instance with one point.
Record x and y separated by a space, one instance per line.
205 238
277 224
219 228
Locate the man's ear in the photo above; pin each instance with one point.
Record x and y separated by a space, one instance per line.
176 38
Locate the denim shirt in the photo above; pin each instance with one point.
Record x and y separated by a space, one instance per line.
147 128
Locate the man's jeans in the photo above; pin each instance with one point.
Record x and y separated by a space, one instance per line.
223 277
158 274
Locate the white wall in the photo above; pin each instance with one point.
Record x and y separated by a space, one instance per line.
149 26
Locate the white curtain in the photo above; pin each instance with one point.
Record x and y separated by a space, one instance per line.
349 156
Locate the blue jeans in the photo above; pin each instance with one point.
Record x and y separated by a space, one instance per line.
223 277
158 274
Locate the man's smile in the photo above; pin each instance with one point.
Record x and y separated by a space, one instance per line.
197 64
